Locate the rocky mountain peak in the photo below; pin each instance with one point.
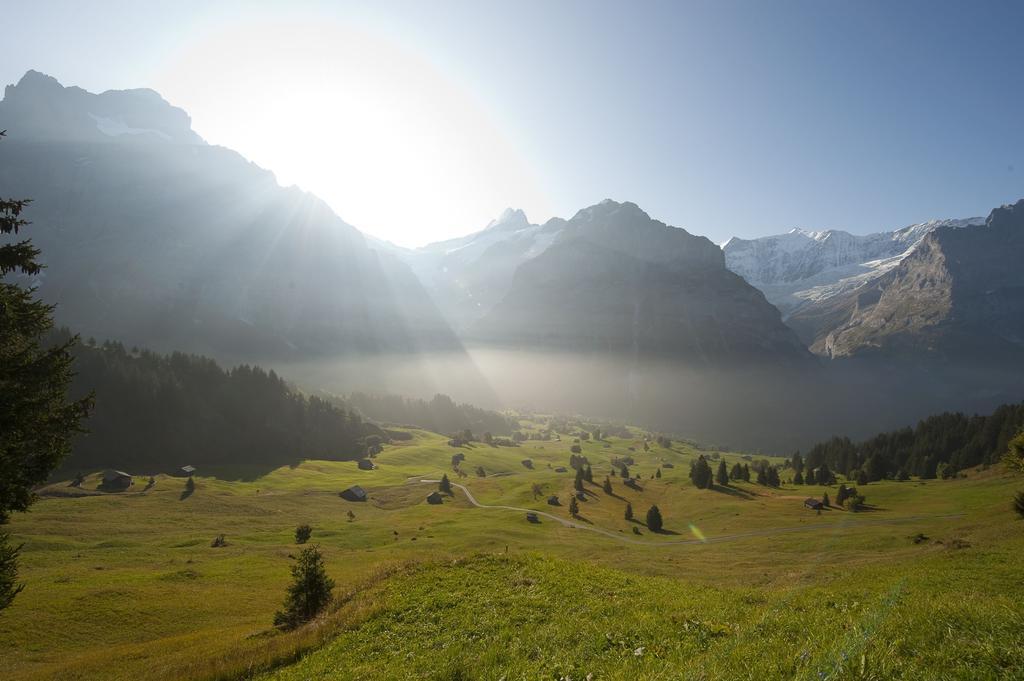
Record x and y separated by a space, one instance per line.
39 108
510 219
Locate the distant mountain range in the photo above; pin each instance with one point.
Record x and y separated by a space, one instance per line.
154 237
957 294
803 267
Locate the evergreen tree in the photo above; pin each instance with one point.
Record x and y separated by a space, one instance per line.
624 472
574 508
798 479
303 533
841 495
772 475
654 521
37 421
810 479
588 474
825 476
762 477
607 486
657 473
862 477
445 486
700 473
722 477
578 482
797 462
736 473
309 592
1014 457
9 587
746 472
825 500
629 511
902 475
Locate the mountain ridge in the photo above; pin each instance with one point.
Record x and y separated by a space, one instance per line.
165 241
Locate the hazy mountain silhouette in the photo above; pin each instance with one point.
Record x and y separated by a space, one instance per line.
155 238
616 280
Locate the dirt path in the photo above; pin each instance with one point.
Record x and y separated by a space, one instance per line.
844 524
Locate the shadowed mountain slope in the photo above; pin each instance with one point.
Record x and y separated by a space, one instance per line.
155 238
615 280
958 296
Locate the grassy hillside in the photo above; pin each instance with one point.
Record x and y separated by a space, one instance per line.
125 586
531 617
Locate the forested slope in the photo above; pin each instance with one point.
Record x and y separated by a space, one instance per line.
159 412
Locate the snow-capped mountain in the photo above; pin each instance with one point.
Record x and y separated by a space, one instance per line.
802 266
468 275
955 297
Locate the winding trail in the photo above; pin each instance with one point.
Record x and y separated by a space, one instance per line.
709 540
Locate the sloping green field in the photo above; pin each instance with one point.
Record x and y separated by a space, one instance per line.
127 586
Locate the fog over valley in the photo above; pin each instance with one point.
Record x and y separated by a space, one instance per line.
473 341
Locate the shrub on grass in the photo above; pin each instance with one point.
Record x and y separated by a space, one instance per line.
303 533
629 511
309 592
219 541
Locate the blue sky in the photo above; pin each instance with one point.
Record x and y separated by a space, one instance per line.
726 118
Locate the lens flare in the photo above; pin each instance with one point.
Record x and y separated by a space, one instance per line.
697 533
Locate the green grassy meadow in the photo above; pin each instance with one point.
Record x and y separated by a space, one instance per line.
127 586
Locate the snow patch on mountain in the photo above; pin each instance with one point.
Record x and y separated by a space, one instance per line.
115 127
802 266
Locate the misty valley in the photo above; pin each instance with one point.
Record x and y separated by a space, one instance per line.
243 439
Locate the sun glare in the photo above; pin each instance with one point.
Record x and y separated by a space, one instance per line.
396 147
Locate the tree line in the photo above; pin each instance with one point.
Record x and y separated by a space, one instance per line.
440 414
940 444
156 412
